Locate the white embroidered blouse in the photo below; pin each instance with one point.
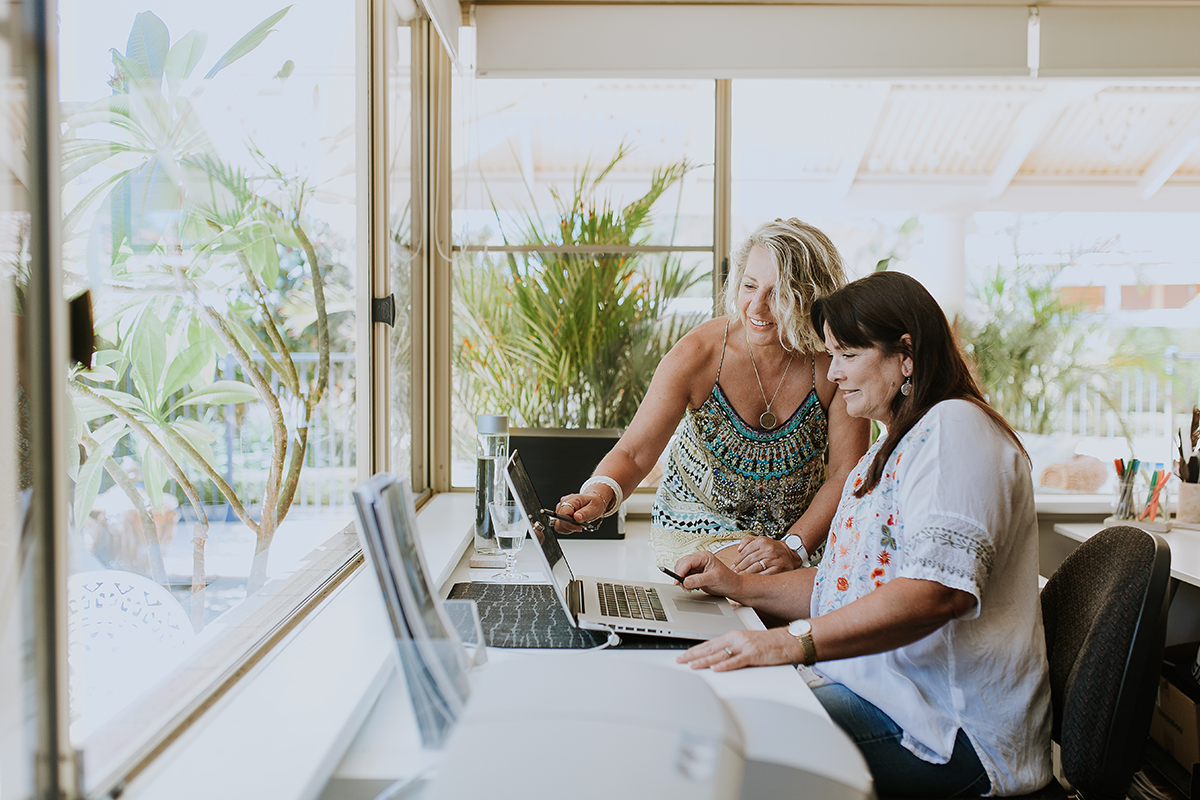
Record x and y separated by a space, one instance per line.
954 505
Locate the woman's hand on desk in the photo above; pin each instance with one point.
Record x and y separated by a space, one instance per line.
739 649
760 554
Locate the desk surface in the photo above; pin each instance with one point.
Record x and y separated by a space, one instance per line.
1184 544
387 746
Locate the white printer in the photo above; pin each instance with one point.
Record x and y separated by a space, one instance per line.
621 729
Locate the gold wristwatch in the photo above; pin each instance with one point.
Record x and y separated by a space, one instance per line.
802 630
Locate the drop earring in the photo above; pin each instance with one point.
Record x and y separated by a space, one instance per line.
906 387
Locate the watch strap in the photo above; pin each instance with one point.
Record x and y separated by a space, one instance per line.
806 644
799 548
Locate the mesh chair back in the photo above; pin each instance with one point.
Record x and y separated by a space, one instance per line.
1105 612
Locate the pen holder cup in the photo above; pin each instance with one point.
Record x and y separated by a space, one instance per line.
1132 502
1188 508
1125 499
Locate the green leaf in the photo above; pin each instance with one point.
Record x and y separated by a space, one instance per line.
107 357
263 255
199 436
286 70
86 203
154 475
100 374
80 155
219 393
247 43
154 201
123 399
119 209
185 55
148 343
87 485
185 366
130 68
113 428
148 44
110 109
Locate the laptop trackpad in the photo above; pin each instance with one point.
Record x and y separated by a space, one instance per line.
698 606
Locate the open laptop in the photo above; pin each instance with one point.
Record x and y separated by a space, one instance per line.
659 609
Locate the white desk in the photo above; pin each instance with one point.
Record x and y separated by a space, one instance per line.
1183 620
1184 544
387 747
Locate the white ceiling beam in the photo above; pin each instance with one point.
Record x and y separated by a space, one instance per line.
1029 127
870 108
1170 159
1112 41
749 41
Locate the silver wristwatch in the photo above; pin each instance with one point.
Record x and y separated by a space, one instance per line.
797 544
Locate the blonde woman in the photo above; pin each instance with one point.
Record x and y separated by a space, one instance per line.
755 473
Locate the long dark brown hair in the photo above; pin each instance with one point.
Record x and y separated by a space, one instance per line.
876 312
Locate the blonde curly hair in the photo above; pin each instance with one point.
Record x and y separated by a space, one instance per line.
806 263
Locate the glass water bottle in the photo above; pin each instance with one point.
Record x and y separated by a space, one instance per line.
491 454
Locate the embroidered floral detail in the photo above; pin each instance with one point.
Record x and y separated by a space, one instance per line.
887 539
877 572
976 552
843 584
885 557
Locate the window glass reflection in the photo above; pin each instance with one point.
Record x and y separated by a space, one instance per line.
209 204
402 247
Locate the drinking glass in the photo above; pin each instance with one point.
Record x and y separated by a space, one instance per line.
510 536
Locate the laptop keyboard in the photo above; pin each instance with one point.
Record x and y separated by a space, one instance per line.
630 602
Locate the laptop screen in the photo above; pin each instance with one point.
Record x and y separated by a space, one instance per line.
527 498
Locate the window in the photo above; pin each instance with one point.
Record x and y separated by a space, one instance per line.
403 247
544 171
1022 206
209 200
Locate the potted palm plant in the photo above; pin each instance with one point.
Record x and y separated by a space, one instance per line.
567 337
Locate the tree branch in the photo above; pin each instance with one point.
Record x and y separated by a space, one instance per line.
262 386
152 441
314 397
209 472
284 366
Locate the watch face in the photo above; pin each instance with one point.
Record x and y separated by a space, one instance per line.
793 541
799 627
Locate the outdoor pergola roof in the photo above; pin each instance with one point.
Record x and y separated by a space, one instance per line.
946 145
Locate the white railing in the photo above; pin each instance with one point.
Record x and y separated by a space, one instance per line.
243 447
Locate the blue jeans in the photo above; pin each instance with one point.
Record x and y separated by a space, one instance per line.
897 772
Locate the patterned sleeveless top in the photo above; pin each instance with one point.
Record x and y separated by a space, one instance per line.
726 480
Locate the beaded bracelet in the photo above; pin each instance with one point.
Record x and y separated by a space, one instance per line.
618 495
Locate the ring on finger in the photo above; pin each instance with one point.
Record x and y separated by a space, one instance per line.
761 564
728 652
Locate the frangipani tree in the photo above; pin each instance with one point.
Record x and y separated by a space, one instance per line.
193 249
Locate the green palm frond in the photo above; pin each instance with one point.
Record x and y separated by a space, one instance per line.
571 339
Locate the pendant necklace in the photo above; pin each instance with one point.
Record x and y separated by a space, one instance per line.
767 420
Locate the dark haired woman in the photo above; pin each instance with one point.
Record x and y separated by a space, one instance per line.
923 617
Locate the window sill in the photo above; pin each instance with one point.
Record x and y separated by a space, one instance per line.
1072 504
283 729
